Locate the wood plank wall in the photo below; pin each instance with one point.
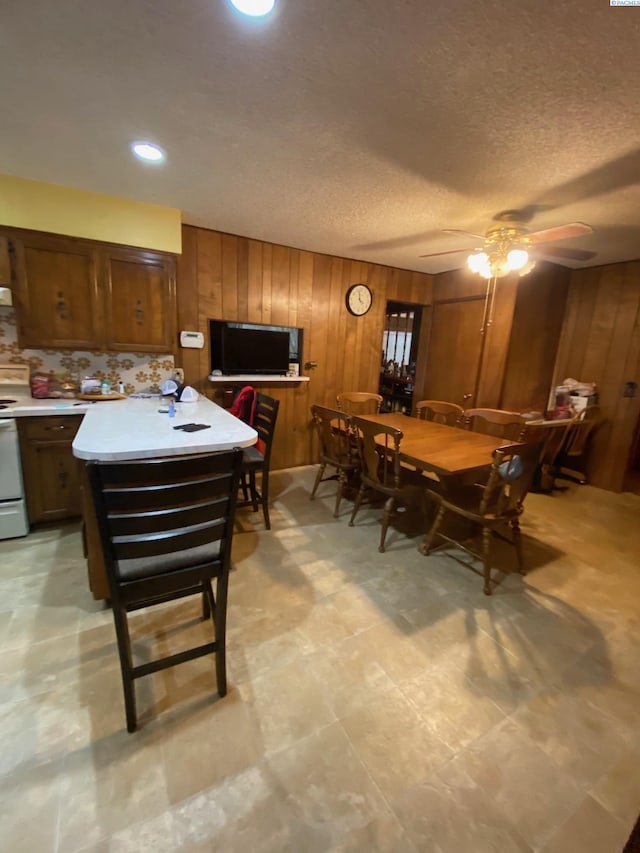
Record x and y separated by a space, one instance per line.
600 343
225 277
534 338
597 337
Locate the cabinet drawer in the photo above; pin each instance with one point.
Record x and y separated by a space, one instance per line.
50 428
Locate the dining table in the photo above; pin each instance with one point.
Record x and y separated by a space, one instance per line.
447 451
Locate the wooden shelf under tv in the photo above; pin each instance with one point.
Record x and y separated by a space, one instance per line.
254 379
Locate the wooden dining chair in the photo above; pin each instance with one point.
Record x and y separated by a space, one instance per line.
551 435
572 460
498 422
336 449
359 402
166 527
381 471
439 412
257 458
494 505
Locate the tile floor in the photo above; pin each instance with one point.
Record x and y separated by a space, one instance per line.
378 702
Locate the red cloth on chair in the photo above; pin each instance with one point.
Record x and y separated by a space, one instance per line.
244 404
244 407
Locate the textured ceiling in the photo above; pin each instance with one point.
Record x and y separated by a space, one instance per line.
354 127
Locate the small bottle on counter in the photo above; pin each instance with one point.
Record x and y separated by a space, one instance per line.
172 409
121 387
105 388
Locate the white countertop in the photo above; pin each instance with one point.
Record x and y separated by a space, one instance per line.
28 407
116 430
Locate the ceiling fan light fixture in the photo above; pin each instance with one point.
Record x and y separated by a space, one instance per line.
478 261
517 259
527 267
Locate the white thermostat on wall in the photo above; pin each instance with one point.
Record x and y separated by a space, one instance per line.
192 340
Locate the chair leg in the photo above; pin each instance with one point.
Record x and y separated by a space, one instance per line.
342 479
264 498
323 465
126 664
427 542
244 486
253 491
356 505
386 517
486 559
206 607
517 542
219 608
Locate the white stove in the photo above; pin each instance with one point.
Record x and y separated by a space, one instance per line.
14 388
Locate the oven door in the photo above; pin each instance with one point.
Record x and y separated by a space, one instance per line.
11 479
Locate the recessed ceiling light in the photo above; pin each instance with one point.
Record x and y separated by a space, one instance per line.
254 7
148 152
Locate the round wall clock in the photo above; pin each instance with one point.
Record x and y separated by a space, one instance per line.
359 299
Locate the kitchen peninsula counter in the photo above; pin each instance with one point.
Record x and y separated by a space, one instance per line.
119 430
116 430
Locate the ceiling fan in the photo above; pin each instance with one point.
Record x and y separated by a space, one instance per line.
510 247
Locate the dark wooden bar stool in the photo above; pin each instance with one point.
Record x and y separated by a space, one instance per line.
166 527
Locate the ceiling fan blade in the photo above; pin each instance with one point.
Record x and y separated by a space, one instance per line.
569 254
466 233
561 232
450 252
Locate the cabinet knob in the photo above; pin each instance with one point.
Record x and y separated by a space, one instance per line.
57 427
467 396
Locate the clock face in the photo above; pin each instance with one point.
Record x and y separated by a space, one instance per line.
359 299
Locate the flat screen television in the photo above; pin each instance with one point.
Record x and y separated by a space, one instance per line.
250 350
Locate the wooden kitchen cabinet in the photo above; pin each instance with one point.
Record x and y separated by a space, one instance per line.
78 294
58 304
50 470
5 264
140 300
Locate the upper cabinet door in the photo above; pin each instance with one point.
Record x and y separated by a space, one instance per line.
58 306
140 301
5 266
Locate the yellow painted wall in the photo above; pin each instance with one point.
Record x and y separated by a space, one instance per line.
95 216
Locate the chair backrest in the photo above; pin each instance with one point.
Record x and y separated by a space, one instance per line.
581 428
265 416
513 468
551 435
334 432
359 402
379 454
439 412
156 507
498 422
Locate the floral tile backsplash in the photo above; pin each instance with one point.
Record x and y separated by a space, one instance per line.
138 372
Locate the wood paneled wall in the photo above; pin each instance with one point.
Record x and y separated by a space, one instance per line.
600 342
225 277
518 353
534 338
597 337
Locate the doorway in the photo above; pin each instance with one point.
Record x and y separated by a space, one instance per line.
400 344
